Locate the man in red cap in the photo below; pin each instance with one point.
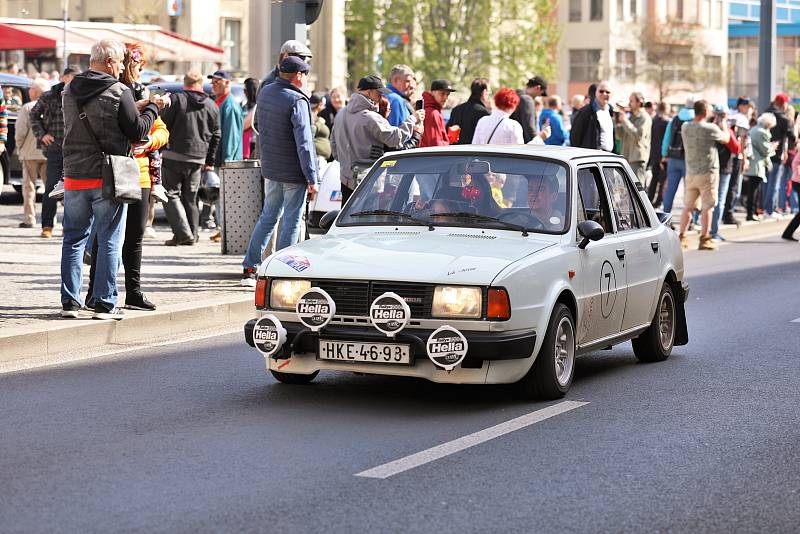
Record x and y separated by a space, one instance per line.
783 135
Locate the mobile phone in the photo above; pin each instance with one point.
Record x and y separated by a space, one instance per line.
419 104
157 91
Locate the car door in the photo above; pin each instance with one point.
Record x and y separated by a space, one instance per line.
638 242
602 302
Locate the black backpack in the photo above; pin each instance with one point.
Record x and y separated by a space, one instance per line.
675 148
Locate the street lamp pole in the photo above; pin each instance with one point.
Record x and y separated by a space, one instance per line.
64 37
767 39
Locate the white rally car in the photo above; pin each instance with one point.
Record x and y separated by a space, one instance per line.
476 264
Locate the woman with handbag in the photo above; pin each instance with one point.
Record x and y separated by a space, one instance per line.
149 161
760 161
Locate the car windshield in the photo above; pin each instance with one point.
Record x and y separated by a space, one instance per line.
469 190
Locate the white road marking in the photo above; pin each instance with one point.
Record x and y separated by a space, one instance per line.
796 320
476 438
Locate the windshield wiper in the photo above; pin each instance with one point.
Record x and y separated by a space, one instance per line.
486 218
407 216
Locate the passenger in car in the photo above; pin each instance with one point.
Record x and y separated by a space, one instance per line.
542 198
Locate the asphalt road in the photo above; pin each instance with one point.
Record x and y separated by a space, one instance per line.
198 437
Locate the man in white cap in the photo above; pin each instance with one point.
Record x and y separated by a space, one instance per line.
289 48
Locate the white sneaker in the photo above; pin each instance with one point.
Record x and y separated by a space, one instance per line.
150 233
115 314
58 191
247 282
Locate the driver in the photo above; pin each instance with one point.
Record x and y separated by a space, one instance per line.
542 198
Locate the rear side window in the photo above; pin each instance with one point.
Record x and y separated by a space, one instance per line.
627 211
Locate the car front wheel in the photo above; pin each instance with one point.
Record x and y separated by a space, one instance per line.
293 378
550 376
655 344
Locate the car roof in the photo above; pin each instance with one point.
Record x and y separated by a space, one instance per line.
16 81
561 153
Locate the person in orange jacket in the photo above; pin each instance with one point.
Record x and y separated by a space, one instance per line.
136 218
435 133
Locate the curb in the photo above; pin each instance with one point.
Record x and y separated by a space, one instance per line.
58 336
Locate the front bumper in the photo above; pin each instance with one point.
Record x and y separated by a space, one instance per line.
483 346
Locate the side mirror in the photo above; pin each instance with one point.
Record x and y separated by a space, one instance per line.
590 231
326 221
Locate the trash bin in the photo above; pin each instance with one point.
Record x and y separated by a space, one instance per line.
241 199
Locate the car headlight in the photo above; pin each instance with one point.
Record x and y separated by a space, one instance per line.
457 302
284 294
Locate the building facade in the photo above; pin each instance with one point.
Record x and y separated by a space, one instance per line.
666 49
240 27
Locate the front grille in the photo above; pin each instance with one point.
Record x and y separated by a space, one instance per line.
354 297
351 298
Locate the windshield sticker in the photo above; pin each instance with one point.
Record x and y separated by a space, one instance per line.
298 263
388 163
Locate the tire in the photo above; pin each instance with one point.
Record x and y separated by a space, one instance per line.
655 344
293 378
551 374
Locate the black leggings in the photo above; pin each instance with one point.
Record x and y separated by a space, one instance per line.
135 223
753 187
795 222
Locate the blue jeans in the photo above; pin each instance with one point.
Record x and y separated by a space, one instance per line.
784 185
676 170
80 209
716 217
770 189
280 198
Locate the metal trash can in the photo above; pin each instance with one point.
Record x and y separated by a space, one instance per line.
241 199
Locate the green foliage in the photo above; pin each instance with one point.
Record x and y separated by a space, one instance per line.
792 83
505 40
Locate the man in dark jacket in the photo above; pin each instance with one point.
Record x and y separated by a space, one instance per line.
288 162
193 122
655 190
47 121
525 114
96 101
783 135
593 126
467 115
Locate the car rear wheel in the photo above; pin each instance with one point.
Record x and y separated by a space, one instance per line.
655 344
551 374
292 378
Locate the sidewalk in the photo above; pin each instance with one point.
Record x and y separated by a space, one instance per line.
195 288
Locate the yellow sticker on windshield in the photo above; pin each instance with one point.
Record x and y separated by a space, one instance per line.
388 163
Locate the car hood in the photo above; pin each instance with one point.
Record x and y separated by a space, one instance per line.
441 256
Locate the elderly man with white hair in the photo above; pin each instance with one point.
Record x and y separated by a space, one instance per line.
100 118
34 163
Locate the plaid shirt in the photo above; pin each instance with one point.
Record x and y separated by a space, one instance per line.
47 116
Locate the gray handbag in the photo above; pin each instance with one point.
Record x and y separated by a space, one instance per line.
120 173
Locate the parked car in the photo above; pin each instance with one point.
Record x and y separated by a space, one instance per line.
237 89
476 264
328 198
15 91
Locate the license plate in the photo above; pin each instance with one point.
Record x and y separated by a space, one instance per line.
351 351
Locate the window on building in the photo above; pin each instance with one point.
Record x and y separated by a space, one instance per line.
626 65
575 10
717 15
706 14
232 43
713 69
584 65
634 10
679 68
596 11
620 9
676 9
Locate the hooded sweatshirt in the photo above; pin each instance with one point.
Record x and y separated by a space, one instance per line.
358 128
112 114
193 123
435 133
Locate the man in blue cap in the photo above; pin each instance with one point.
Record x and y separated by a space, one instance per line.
288 161
231 124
